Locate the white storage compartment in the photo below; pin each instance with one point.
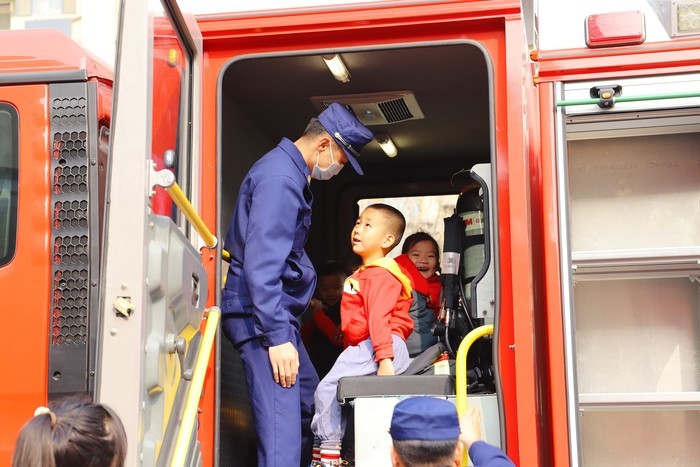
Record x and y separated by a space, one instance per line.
634 193
641 438
637 335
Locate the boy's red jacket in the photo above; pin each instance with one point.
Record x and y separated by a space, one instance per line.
375 304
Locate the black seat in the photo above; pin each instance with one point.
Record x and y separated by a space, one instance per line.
419 364
401 385
409 383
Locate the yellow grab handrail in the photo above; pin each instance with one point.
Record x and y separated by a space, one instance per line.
226 255
461 364
191 214
461 370
189 416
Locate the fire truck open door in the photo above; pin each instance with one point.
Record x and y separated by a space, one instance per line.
151 350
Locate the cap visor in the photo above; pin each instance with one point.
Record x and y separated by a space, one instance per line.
353 161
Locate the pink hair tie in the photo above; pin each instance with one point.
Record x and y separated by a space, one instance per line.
45 410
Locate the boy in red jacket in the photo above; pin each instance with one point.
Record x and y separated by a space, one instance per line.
375 323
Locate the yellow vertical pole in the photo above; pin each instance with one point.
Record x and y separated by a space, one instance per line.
461 371
189 415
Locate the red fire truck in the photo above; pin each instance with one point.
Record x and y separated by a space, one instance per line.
577 126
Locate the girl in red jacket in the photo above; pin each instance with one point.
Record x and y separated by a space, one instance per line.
424 252
420 262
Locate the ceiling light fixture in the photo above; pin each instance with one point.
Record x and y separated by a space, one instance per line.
387 145
337 67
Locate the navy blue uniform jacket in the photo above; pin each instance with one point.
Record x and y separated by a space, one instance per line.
485 455
271 279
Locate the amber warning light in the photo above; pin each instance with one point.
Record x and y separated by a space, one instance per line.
611 29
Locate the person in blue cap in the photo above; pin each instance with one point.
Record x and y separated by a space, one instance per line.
426 432
271 279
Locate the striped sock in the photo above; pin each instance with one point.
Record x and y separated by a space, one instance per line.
330 456
316 453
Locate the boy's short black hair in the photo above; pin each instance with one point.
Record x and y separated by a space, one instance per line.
396 222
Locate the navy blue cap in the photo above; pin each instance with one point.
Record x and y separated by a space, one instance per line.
347 131
426 419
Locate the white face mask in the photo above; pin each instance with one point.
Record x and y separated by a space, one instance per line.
317 173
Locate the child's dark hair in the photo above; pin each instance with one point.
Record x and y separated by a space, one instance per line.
73 432
418 237
331 268
395 220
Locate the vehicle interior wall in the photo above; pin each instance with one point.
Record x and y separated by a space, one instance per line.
242 143
266 98
248 142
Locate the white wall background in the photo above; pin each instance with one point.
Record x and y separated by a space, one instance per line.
98 28
560 22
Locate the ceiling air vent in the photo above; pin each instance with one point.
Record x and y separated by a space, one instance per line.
376 108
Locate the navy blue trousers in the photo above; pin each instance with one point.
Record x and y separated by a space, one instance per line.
282 416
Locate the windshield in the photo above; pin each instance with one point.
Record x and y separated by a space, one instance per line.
8 182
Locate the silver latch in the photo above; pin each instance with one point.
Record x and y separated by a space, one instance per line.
162 178
178 345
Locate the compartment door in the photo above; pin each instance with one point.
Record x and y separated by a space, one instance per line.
629 191
153 279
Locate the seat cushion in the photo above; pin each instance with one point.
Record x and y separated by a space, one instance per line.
401 385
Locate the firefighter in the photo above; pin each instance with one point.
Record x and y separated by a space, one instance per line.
271 279
426 431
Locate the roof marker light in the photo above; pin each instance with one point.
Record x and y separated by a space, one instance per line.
613 29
